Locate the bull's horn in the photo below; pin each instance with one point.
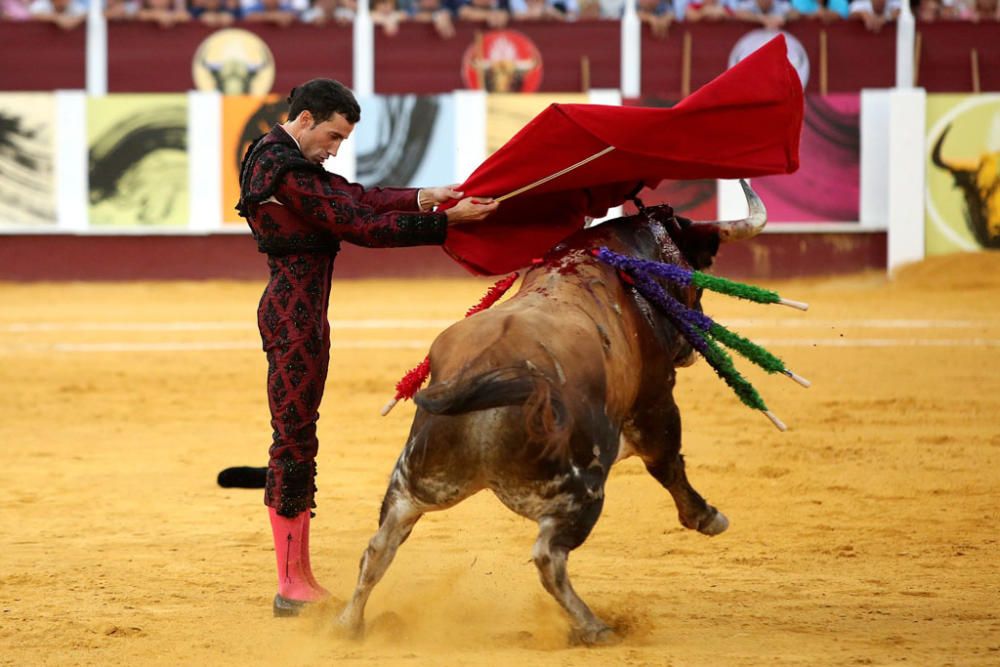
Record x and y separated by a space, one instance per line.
955 168
211 67
746 228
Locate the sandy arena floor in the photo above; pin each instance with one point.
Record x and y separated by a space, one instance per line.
867 534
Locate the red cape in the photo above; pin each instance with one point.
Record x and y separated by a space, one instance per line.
746 122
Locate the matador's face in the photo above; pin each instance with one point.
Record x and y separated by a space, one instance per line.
318 141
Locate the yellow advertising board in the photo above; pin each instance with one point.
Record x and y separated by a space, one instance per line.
963 173
138 160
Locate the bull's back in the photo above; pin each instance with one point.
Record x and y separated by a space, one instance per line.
532 333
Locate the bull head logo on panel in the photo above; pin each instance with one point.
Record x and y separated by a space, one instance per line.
979 182
234 62
502 61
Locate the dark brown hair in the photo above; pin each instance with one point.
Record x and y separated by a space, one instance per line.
323 98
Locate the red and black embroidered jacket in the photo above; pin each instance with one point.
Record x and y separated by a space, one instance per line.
293 205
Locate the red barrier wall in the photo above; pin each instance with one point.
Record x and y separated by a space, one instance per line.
856 58
235 257
146 58
40 56
418 61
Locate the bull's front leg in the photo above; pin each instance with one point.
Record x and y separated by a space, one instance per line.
655 434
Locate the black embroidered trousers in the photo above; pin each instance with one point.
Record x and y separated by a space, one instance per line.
295 331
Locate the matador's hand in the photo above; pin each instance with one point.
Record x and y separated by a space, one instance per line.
428 198
471 209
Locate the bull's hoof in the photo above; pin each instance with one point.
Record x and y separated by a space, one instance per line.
349 626
717 524
599 636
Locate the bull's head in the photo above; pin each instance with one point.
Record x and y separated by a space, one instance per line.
699 240
233 76
980 185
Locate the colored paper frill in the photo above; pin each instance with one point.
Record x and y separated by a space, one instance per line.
410 383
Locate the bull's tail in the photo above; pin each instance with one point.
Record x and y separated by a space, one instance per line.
548 422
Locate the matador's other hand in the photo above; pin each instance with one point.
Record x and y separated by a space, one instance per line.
428 198
471 209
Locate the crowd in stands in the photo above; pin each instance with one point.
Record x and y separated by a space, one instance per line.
443 14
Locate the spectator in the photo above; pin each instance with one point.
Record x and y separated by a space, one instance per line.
494 13
826 11
708 10
543 10
348 8
386 14
14 10
67 14
215 13
975 10
118 10
928 11
275 12
771 14
952 9
165 13
432 11
610 9
874 13
657 13
329 11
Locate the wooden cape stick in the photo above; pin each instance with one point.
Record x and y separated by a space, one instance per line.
823 69
686 65
974 56
559 173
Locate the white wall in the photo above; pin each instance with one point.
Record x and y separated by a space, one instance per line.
907 130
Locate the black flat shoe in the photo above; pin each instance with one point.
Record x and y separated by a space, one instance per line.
287 607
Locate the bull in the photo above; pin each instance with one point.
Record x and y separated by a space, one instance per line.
537 398
980 185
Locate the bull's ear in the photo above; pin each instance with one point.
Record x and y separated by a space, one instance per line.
698 243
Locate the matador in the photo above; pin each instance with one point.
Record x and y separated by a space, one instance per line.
299 214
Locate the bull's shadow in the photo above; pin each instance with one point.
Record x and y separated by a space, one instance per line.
537 398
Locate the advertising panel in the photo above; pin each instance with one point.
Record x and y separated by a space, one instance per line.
963 173
826 188
405 141
244 118
27 160
138 161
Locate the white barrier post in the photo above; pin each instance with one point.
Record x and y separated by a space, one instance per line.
907 120
72 201
904 47
907 112
470 132
364 52
205 161
97 50
631 75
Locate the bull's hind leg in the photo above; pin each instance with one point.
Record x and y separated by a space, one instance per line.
556 538
656 435
399 515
